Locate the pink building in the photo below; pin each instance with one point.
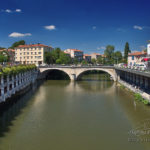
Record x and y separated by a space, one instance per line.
136 57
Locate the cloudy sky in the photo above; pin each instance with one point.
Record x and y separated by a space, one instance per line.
88 25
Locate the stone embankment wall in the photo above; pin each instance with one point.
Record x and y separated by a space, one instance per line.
135 90
11 84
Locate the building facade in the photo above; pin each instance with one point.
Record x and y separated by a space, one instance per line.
75 53
95 55
31 54
136 57
87 57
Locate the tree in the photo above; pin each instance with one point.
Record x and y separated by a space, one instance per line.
84 62
109 51
65 59
118 56
58 61
100 60
15 44
126 51
56 53
48 58
2 48
93 61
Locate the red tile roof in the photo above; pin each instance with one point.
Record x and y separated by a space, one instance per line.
32 45
87 55
76 50
137 53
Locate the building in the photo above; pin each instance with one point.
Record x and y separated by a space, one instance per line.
136 57
148 49
75 53
87 57
31 54
95 55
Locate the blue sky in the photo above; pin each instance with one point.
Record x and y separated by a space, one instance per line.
88 25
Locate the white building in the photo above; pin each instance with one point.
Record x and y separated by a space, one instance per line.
31 54
95 55
75 53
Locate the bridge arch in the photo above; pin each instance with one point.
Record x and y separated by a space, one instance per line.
45 71
111 72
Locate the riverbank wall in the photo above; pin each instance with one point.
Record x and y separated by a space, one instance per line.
135 89
12 84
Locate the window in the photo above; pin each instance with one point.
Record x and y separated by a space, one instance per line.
31 52
20 53
31 56
27 57
39 52
35 53
24 53
27 53
132 57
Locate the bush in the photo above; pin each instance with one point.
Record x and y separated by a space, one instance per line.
16 69
138 97
146 102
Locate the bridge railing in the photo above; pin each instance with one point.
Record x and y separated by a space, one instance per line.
77 66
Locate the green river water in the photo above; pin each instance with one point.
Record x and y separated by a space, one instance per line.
92 114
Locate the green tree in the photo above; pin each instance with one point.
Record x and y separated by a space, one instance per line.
100 60
109 51
117 56
126 51
56 53
2 48
84 62
65 59
58 61
48 58
15 44
93 61
75 61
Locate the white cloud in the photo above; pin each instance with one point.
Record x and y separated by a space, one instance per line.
101 48
11 11
138 27
18 10
50 27
8 11
94 27
16 34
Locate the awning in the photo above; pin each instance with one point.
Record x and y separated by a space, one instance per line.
146 59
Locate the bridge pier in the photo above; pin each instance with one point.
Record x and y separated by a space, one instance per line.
73 77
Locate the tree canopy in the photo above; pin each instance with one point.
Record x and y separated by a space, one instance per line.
56 56
15 44
126 51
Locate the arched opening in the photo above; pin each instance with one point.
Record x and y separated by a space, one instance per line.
55 74
95 75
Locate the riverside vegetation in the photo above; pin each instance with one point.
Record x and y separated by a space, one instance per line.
14 70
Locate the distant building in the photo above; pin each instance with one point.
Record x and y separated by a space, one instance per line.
31 54
75 53
95 55
136 57
87 57
148 49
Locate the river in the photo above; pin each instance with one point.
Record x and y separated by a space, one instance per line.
92 114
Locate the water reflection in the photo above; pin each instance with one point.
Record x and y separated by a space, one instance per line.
72 115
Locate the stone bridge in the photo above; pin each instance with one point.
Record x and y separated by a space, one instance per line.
75 72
